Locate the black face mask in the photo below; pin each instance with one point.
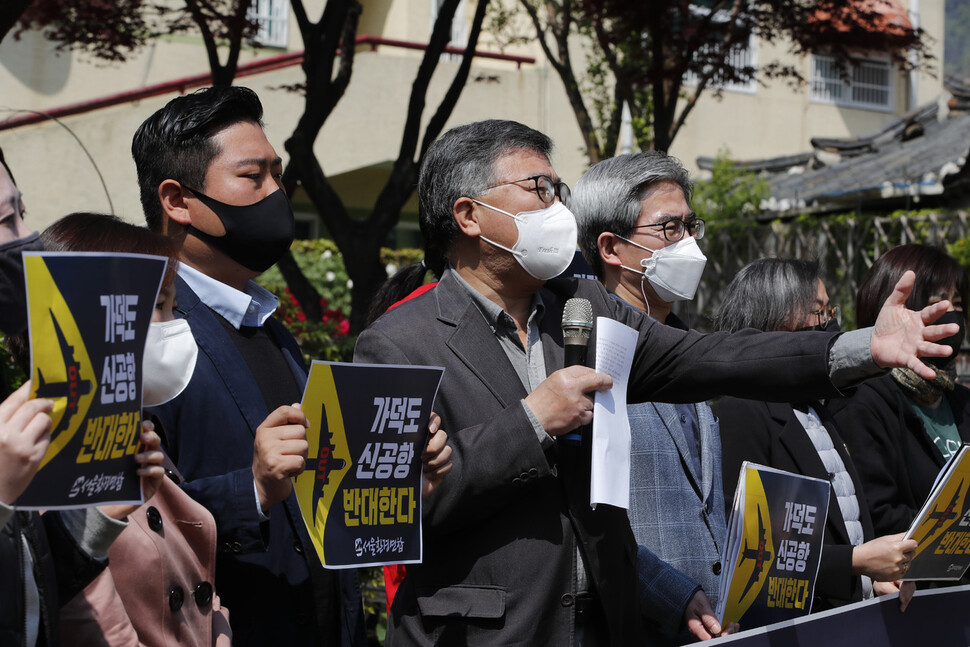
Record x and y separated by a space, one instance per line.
953 341
257 234
13 290
832 325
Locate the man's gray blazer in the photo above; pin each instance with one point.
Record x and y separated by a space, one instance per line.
500 533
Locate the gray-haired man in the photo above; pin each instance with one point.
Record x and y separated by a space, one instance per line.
638 232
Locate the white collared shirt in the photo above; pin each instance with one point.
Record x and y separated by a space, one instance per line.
250 308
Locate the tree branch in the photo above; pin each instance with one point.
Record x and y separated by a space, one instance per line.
10 13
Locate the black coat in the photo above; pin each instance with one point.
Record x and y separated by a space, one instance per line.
769 434
897 461
61 570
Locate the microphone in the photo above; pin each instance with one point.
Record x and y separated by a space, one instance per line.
577 326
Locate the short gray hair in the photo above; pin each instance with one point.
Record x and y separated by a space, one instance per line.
461 163
769 294
607 197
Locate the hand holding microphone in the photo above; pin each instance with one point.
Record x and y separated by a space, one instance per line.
563 402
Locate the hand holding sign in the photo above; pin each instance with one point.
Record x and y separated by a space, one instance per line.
279 454
150 471
884 559
24 435
436 457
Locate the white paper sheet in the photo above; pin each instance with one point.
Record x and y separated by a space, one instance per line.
610 476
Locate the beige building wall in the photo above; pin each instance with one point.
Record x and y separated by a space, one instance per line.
357 145
777 119
361 139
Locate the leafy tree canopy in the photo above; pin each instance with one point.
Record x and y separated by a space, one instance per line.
641 53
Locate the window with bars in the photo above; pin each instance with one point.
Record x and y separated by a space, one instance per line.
866 84
740 56
274 22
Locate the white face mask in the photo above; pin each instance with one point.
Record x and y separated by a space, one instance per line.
674 271
170 354
547 239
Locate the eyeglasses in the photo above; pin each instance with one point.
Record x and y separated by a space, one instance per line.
674 229
827 314
546 188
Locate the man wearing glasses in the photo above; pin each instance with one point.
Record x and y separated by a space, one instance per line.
637 229
513 554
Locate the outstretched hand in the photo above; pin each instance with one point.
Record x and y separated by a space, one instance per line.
901 335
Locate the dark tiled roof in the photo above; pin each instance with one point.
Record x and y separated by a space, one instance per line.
912 156
960 92
889 169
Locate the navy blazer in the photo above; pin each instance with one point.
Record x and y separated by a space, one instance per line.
262 569
769 433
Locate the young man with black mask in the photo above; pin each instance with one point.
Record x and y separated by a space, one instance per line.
209 178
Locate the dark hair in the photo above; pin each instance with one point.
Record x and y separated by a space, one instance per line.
461 163
177 141
769 294
936 274
607 197
99 232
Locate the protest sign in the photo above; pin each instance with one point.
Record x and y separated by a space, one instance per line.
942 527
360 495
88 319
773 547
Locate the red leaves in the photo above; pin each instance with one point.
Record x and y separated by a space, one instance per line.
335 322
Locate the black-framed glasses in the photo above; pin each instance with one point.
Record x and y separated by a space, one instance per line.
827 314
674 229
546 188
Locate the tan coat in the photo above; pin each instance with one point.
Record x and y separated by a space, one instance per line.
147 595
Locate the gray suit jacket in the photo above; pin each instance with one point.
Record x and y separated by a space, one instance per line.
675 512
500 533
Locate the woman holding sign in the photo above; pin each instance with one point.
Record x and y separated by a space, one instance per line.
787 295
157 589
44 559
902 428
